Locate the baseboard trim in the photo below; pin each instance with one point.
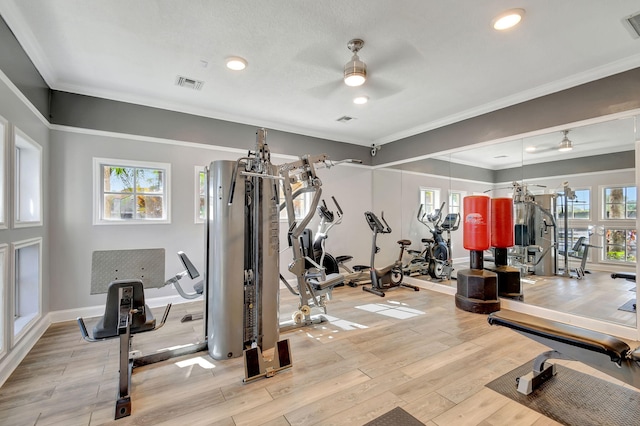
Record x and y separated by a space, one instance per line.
15 355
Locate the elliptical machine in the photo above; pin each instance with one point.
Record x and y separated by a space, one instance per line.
317 252
391 275
437 251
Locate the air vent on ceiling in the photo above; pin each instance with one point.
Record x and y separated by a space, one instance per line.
344 119
633 24
501 156
189 83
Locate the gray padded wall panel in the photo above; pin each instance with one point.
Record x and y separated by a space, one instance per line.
146 265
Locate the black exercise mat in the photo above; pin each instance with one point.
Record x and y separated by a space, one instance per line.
574 398
628 307
395 417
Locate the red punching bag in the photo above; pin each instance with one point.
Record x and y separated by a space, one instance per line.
477 218
502 222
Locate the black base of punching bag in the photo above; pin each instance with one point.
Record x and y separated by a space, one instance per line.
509 284
477 288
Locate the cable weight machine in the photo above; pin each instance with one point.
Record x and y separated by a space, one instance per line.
242 262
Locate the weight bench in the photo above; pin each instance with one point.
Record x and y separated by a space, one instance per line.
125 314
601 351
580 251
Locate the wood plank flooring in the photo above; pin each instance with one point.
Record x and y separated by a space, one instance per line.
417 351
596 296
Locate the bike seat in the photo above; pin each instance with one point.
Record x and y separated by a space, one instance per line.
359 268
427 240
342 259
404 243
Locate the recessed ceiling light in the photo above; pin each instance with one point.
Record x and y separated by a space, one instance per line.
530 149
361 100
507 19
236 63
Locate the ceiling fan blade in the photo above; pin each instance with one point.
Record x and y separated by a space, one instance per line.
391 58
319 56
382 88
327 89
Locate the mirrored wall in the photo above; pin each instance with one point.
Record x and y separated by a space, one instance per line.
586 231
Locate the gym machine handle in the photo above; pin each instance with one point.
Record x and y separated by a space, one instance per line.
337 205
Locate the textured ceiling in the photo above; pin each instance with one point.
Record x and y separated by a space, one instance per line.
430 62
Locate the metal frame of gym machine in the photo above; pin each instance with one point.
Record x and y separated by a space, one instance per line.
242 262
313 285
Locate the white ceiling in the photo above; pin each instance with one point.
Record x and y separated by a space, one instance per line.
430 63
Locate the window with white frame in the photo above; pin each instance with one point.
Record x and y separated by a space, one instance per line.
131 191
27 285
27 156
200 180
3 293
620 244
300 203
455 201
4 137
429 199
577 208
620 202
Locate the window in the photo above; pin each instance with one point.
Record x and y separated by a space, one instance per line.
455 201
27 285
620 202
28 181
620 245
300 203
200 180
4 137
577 208
3 289
131 192
429 199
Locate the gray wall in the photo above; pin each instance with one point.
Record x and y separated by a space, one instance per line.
88 112
614 94
19 115
16 65
72 209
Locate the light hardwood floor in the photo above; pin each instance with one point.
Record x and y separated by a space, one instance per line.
417 351
596 296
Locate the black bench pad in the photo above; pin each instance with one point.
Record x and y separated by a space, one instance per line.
615 348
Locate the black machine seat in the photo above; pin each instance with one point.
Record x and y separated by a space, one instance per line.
576 249
342 259
404 243
629 276
594 341
141 321
451 222
427 240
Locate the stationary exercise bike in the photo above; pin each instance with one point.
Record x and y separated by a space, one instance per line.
391 275
437 251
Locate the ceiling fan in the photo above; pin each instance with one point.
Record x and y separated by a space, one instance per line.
356 75
565 145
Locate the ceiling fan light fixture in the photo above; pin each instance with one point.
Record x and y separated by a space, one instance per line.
565 144
507 19
355 71
236 63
